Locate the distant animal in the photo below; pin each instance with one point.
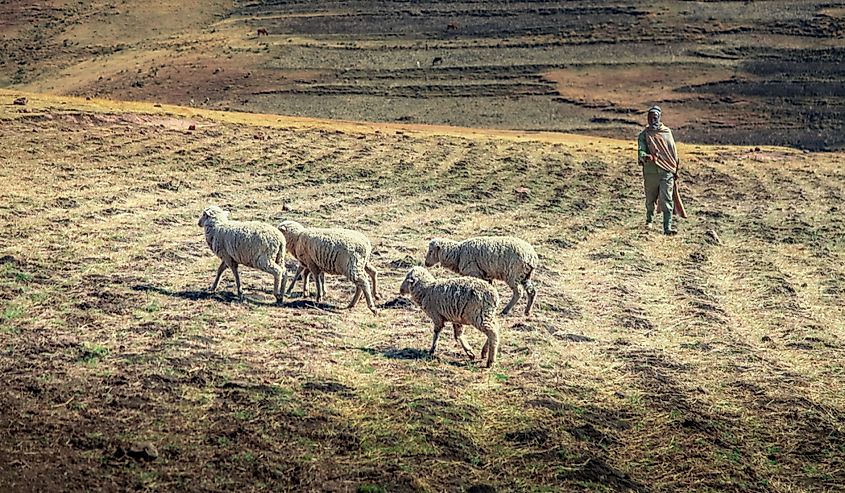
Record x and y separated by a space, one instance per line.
452 26
263 31
437 61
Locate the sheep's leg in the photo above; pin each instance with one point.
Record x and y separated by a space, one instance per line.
459 336
279 276
492 344
217 277
373 273
234 268
316 273
299 270
355 298
368 295
363 285
438 326
516 295
532 293
305 275
484 349
280 279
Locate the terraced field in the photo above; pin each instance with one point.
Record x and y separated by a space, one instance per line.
730 72
651 364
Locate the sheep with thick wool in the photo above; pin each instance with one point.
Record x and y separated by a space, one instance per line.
461 301
335 251
250 243
505 258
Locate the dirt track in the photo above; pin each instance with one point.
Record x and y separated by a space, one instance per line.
729 72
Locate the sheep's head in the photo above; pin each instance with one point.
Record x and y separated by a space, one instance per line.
415 276
291 231
432 258
291 228
211 215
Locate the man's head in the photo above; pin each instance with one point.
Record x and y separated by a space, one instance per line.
654 116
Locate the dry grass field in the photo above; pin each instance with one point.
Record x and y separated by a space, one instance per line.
651 363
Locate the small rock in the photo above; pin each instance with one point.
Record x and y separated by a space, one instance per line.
20 101
766 339
156 105
713 237
142 450
756 149
192 127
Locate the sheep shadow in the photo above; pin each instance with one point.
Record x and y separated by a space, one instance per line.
399 303
197 295
411 354
312 305
401 354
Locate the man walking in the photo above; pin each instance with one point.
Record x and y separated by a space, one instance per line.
659 158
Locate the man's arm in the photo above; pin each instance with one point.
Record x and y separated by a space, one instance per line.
642 149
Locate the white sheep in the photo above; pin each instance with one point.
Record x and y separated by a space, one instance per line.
335 251
504 258
463 300
251 243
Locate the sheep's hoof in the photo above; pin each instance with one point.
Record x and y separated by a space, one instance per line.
375 312
280 301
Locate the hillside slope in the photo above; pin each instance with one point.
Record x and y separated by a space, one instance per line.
725 71
651 364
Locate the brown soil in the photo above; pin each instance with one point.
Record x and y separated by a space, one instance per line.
749 73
